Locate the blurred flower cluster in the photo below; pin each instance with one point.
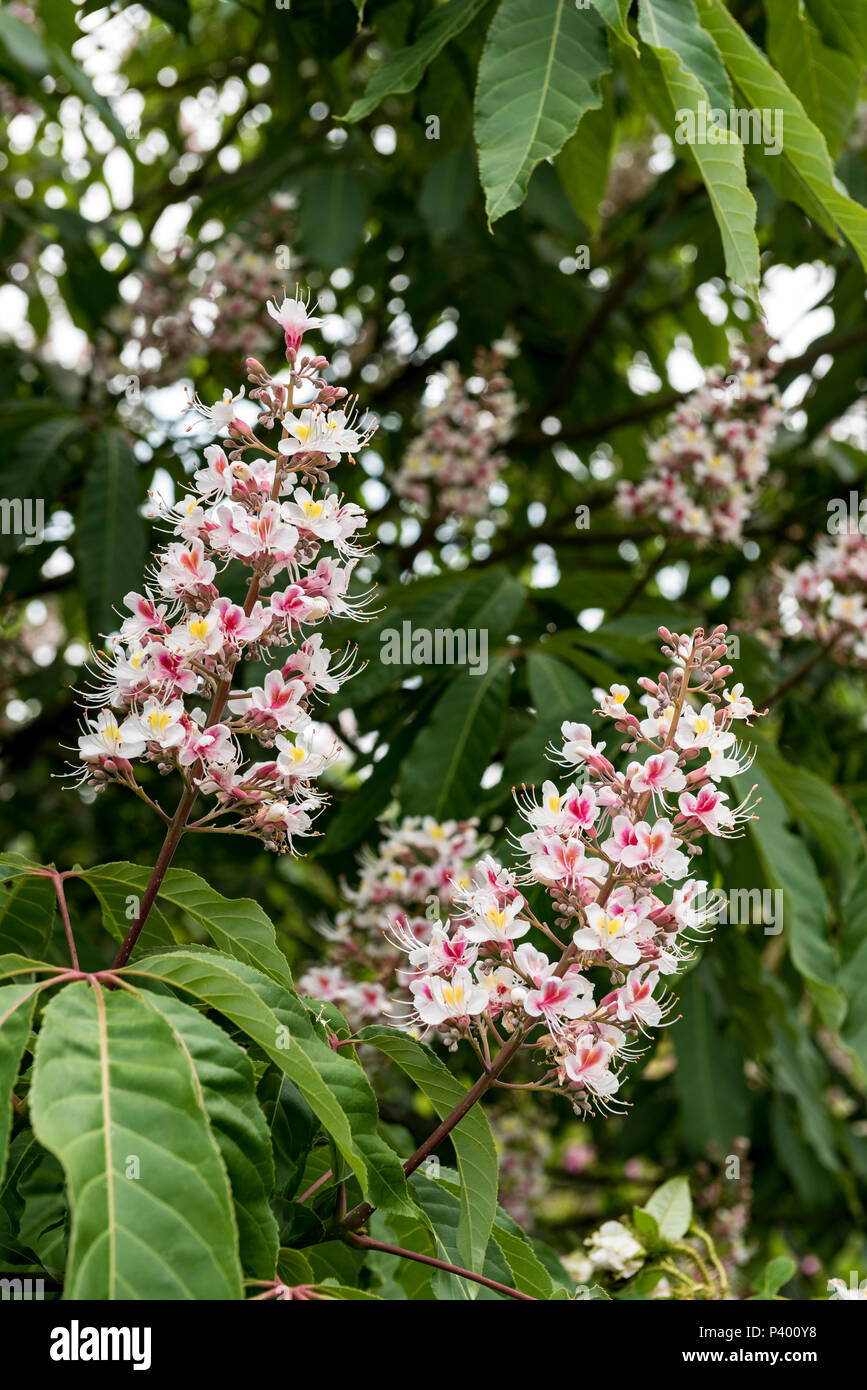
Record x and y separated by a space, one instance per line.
409 881
822 599
194 301
707 468
164 691
449 466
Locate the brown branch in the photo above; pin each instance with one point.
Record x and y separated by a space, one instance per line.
366 1243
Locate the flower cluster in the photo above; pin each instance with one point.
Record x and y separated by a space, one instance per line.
450 465
707 468
613 850
822 599
409 881
165 691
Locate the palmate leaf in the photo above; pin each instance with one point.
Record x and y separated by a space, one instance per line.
112 1084
539 73
17 1003
694 74
472 1138
228 1085
274 1017
237 926
803 171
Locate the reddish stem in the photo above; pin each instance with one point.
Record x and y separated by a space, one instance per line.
366 1243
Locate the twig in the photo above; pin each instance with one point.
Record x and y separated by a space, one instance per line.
366 1243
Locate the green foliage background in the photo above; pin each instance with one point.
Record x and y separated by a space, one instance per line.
549 123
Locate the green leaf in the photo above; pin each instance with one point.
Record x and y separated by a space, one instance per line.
809 172
616 13
293 1128
17 1003
791 871
646 1227
345 1293
813 800
404 70
442 772
35 468
111 1084
12 965
237 926
228 1088
800 1070
853 975
331 213
824 79
558 693
539 73
694 75
333 1084
27 909
842 24
775 1274
472 1138
441 1201
528 1273
175 13
44 1221
446 192
671 1208
110 536
23 44
583 164
293 1267
709 1078
82 85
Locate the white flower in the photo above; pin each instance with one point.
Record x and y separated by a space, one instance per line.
437 999
107 739
614 1248
294 317
160 722
222 412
